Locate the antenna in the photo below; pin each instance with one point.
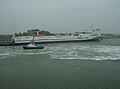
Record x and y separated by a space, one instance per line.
92 26
14 28
13 37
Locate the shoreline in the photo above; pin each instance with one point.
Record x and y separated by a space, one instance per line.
6 43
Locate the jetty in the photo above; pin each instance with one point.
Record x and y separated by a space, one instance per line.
6 43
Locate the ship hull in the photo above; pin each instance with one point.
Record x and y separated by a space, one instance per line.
55 41
39 47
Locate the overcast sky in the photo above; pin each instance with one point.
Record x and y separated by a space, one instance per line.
59 15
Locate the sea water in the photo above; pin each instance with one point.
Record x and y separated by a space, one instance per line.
81 65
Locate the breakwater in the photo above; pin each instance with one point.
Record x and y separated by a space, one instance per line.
6 43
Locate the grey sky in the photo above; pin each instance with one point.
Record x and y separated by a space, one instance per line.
59 15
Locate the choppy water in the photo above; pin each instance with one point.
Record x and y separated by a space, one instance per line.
84 65
83 51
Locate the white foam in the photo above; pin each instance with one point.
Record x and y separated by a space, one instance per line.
2 54
83 52
94 52
82 58
6 55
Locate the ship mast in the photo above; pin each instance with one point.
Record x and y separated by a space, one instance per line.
13 36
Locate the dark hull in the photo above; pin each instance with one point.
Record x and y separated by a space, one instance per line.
39 47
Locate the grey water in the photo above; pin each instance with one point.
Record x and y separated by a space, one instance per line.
81 65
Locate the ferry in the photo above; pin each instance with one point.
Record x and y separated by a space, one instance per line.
94 35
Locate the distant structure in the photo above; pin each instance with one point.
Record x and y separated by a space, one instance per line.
30 32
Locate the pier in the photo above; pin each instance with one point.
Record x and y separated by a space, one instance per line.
6 43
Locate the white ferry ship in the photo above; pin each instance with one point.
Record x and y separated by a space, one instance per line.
94 35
